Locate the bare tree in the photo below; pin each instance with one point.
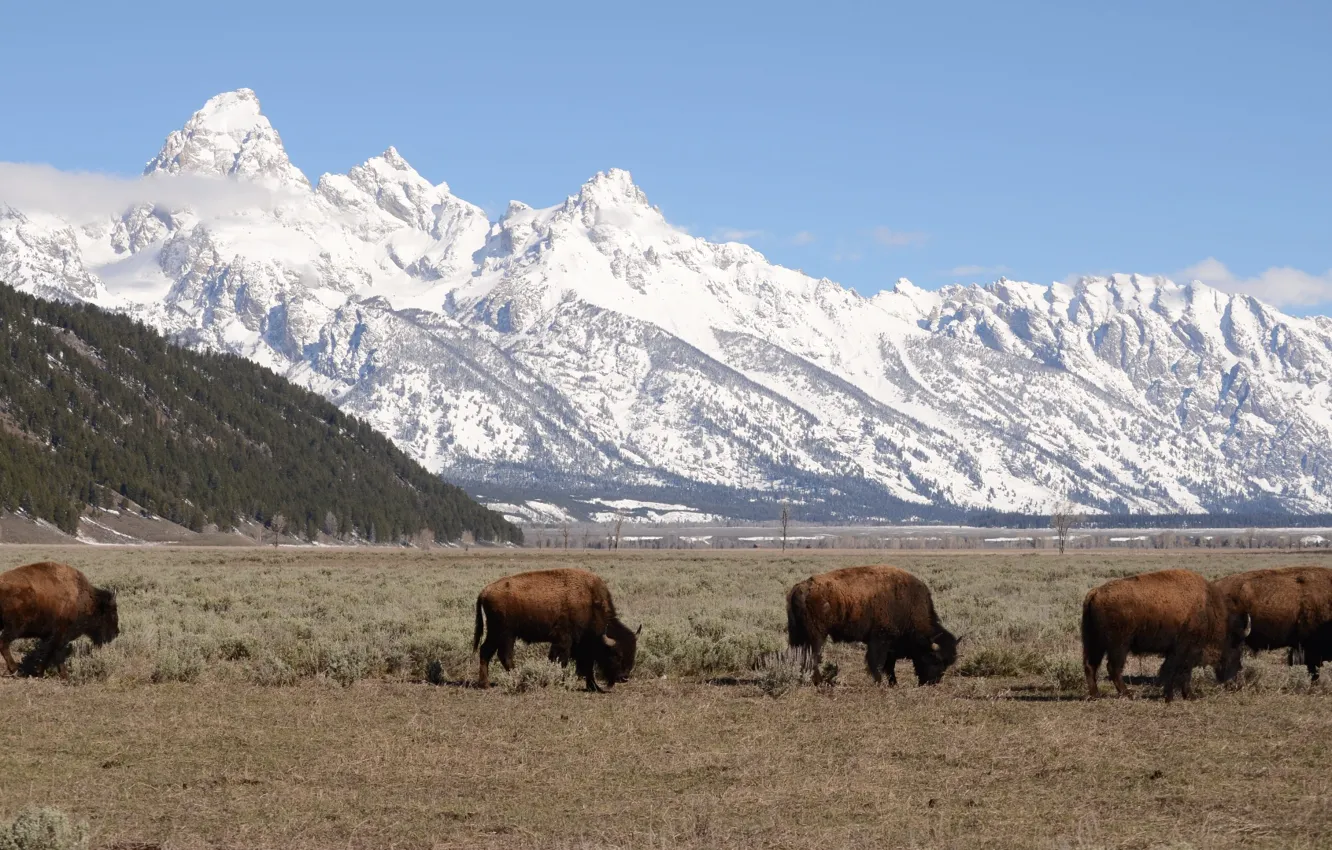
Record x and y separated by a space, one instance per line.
564 530
1062 519
468 540
786 520
278 525
1252 535
619 521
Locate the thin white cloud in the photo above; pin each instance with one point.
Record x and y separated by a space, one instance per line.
804 237
731 234
978 271
899 238
80 195
1280 285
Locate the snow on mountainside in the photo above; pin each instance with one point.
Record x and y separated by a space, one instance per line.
592 348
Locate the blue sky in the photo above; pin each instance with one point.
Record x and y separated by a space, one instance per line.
941 142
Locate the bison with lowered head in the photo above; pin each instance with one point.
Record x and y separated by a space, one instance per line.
570 609
56 604
1177 614
1290 608
889 610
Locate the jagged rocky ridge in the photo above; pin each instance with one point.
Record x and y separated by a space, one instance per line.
592 348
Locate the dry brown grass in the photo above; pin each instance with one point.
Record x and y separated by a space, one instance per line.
1004 757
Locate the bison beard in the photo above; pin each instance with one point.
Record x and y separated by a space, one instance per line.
888 609
570 609
1177 614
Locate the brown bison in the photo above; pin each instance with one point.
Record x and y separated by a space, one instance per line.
1174 613
887 609
56 604
570 609
1289 608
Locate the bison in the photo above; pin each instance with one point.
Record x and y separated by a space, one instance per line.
888 609
55 604
569 608
1290 608
1174 613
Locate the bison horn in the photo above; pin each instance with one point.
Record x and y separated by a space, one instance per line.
1248 624
610 641
640 629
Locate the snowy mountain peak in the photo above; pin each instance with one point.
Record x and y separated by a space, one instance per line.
392 164
229 137
231 112
611 188
385 192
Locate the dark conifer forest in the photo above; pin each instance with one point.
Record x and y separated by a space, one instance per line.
96 407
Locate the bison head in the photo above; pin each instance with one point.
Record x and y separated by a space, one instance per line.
931 664
1237 630
104 625
621 645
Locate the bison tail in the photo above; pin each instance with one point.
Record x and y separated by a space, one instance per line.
1093 643
797 629
480 625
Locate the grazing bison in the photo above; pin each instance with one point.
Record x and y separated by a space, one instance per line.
569 608
56 604
888 609
1174 613
1289 608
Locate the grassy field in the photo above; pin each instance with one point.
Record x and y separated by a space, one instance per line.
266 698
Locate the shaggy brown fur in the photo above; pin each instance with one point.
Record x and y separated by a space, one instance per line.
889 610
571 609
1174 613
1290 608
56 604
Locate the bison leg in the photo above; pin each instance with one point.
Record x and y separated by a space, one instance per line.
1089 671
39 658
585 666
62 659
814 660
506 651
10 663
561 650
1114 668
876 656
1093 653
488 650
890 667
1175 675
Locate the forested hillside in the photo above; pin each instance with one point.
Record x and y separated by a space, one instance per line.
95 406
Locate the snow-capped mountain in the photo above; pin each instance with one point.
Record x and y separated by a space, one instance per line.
592 347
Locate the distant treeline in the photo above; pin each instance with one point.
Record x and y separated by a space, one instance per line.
95 406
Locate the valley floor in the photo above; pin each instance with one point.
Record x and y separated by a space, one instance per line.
182 734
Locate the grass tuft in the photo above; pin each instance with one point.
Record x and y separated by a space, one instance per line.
779 672
43 829
533 674
991 662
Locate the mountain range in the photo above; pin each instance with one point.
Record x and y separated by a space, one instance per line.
591 358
